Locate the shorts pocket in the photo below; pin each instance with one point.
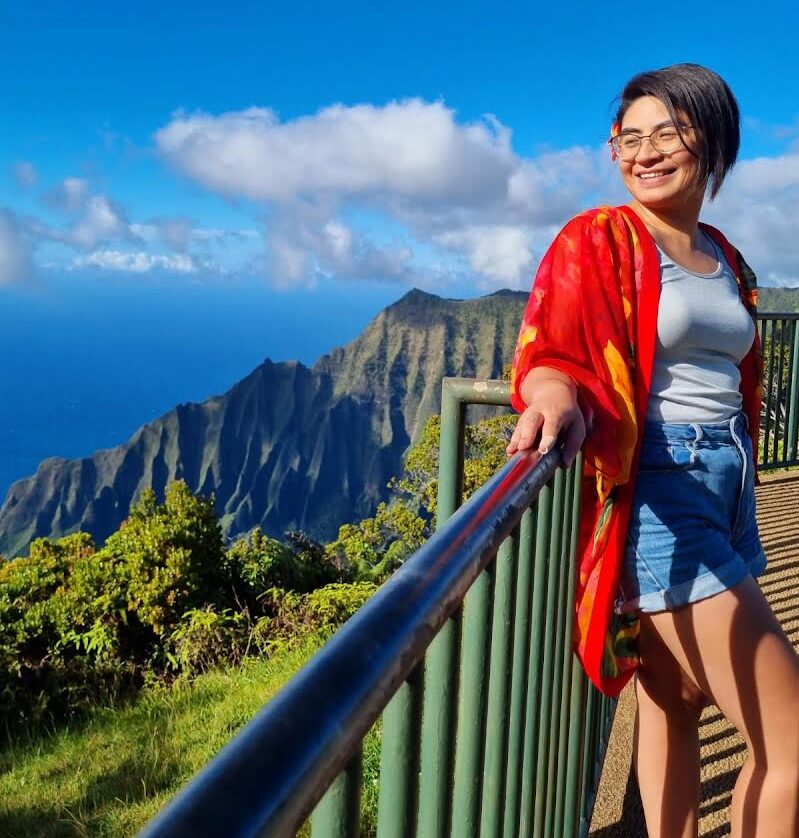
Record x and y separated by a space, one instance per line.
664 458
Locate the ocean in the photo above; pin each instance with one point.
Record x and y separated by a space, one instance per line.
86 360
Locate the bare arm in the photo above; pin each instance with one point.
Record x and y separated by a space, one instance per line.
551 399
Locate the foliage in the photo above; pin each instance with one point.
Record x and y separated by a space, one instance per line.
257 562
162 597
294 615
484 454
777 355
375 547
206 638
169 557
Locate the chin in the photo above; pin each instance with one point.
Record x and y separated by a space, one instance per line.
669 198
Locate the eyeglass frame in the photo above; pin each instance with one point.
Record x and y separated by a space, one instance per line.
642 137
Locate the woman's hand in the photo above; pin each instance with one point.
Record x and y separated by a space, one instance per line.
551 399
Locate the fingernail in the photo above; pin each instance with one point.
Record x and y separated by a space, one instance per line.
546 444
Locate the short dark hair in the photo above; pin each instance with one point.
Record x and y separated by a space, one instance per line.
706 99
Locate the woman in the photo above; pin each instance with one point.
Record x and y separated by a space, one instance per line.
641 325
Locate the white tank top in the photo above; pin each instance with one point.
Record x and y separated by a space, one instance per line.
704 331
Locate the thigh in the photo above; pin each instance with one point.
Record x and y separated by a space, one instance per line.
662 682
734 649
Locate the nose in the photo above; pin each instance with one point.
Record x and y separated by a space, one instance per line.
646 151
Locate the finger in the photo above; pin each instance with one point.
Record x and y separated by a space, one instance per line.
549 433
528 427
574 439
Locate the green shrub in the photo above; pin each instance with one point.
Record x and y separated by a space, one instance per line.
293 615
256 563
206 638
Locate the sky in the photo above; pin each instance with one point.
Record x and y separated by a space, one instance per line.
243 180
437 145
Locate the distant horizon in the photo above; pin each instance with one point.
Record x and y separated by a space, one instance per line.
86 414
106 413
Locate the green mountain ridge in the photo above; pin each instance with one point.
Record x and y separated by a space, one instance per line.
291 447
288 447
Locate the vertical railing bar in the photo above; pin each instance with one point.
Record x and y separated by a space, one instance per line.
534 667
572 803
522 638
499 685
399 760
440 673
566 719
561 545
338 813
778 433
793 425
470 715
576 742
535 814
438 721
588 752
769 395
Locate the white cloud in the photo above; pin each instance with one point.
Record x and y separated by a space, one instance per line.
136 262
501 253
101 221
180 233
758 210
94 219
453 185
15 251
25 174
300 250
456 185
69 196
408 148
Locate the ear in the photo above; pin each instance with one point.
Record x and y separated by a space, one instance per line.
614 130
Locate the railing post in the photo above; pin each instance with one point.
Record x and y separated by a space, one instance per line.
399 761
520 659
536 668
338 813
466 795
491 809
450 462
793 404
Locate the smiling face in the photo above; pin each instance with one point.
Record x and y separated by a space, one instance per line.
657 181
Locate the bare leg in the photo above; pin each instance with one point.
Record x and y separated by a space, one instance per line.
732 646
666 740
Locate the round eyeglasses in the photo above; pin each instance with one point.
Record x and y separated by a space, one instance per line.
666 140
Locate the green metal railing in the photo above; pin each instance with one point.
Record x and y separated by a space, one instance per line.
779 429
498 733
489 727
546 726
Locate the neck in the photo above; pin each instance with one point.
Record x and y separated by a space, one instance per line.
680 220
675 224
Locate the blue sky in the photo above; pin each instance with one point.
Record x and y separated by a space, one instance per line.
133 132
236 180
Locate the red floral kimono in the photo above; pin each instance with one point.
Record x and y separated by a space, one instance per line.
592 314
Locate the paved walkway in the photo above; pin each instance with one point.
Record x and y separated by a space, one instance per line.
618 813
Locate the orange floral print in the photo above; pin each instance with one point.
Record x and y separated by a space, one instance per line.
592 314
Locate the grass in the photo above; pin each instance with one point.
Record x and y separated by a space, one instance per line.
108 774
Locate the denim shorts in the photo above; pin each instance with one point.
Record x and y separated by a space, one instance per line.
693 531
